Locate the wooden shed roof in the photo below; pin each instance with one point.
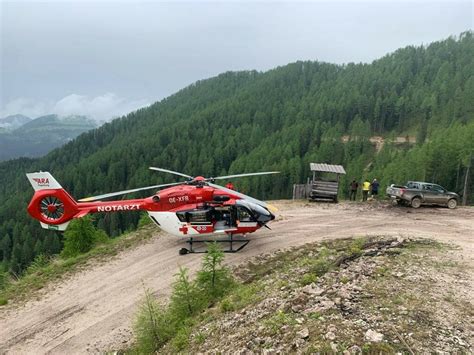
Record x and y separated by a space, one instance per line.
327 168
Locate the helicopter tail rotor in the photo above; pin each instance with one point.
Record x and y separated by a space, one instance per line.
51 204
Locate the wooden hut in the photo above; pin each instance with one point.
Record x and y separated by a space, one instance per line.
325 183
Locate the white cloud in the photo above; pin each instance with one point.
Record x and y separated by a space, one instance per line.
25 107
100 108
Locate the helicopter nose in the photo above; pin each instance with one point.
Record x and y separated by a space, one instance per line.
263 215
268 218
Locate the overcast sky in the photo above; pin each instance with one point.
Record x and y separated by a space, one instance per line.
106 58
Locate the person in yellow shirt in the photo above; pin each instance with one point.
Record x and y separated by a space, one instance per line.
365 190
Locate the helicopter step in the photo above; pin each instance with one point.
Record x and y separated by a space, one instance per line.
241 243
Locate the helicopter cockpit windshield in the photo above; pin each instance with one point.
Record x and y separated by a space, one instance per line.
254 212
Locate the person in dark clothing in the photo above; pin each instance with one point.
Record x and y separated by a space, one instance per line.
353 190
375 187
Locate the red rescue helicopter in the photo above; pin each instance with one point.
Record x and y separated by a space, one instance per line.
193 208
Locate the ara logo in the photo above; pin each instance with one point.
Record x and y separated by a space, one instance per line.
41 181
113 208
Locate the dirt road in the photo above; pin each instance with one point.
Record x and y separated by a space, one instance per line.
93 310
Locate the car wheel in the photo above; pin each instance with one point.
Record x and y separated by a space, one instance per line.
183 251
452 203
416 202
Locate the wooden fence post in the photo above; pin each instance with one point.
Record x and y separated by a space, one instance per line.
466 179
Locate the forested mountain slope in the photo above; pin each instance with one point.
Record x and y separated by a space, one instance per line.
277 120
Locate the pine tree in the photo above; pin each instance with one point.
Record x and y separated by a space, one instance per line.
185 299
38 247
15 262
48 244
56 244
213 278
6 247
26 254
78 238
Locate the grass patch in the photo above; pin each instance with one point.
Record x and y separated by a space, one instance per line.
3 301
308 278
45 270
241 296
277 321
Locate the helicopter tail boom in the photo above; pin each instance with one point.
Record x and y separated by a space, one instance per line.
54 207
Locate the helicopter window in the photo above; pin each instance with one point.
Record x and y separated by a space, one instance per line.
181 216
244 215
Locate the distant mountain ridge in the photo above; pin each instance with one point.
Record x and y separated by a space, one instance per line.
37 137
13 122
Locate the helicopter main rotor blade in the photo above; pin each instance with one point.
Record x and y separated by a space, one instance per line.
118 193
171 172
247 174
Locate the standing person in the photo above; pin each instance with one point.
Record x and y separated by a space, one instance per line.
230 185
365 190
375 187
353 190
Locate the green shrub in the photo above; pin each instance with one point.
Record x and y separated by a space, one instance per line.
38 264
101 237
181 339
4 280
81 236
321 266
144 220
227 305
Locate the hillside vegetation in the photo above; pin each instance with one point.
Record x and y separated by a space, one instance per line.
281 119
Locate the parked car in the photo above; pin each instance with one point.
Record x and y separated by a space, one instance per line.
417 193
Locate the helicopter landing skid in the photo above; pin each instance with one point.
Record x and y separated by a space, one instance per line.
232 248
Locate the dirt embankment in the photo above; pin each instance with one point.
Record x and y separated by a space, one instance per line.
344 296
93 310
